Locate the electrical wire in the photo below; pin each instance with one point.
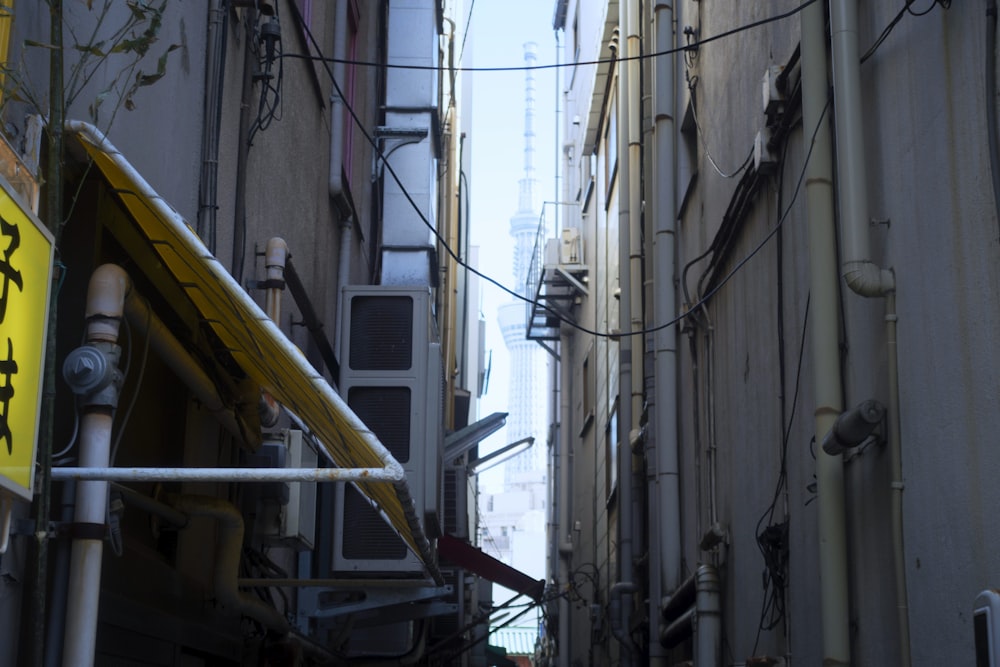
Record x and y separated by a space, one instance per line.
692 83
922 12
687 47
465 33
138 385
892 24
601 334
269 106
705 298
773 540
991 99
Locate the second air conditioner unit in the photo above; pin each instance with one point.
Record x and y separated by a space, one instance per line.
391 378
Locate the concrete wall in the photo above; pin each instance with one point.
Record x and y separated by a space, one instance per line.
287 194
741 386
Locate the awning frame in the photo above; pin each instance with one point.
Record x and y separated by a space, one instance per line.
344 438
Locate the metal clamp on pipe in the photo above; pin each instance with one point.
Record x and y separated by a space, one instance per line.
853 427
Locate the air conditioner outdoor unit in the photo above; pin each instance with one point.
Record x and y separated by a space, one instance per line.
571 249
391 378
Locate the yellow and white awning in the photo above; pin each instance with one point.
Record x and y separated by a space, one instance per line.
255 343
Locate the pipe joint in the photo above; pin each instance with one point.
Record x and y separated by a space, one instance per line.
618 626
275 256
91 371
853 427
865 278
708 586
106 292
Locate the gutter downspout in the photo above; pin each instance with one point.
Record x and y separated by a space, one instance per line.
451 216
862 275
242 154
275 256
825 345
665 522
621 614
228 550
336 182
93 374
215 67
565 535
708 618
633 49
174 354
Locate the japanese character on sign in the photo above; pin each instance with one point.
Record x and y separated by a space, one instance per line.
8 366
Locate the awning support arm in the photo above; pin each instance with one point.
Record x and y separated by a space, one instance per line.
388 474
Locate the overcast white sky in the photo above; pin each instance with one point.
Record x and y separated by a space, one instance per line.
500 28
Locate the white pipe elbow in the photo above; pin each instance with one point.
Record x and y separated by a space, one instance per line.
109 284
276 254
866 278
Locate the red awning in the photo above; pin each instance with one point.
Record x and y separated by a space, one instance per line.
486 566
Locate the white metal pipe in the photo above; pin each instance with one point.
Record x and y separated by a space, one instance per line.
343 276
275 256
708 618
82 607
664 496
862 275
105 304
896 484
109 284
565 534
625 364
336 184
228 551
94 472
823 328
175 355
633 129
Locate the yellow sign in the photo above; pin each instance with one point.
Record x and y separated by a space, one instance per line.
25 277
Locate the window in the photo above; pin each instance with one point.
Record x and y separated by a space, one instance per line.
587 391
611 146
611 451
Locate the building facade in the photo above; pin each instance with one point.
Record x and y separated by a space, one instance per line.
256 214
775 399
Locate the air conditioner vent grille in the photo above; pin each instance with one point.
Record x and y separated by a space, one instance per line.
366 534
381 333
450 502
386 411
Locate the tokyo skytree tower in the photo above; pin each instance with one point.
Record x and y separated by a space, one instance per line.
528 398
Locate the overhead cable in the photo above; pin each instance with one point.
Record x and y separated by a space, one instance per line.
692 46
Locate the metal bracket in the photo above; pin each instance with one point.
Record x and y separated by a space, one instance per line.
379 599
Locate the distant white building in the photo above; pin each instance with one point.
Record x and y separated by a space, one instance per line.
513 521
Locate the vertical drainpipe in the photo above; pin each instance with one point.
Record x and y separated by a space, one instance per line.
664 495
861 274
215 67
628 170
636 319
275 256
336 180
825 346
565 535
451 220
91 371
